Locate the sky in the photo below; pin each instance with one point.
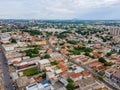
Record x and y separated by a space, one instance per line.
60 9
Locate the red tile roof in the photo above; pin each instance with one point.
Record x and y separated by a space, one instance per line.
95 64
75 75
16 62
62 66
85 73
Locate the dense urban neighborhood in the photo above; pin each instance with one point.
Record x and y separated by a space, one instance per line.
59 55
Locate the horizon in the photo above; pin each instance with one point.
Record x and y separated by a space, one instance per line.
63 19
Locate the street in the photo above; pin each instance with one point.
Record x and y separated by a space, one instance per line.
6 74
48 43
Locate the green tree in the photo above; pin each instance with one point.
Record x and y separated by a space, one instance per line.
87 53
47 56
100 77
13 40
89 41
32 52
70 80
70 85
54 63
44 75
102 60
72 42
109 54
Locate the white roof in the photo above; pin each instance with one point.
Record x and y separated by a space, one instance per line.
63 81
9 45
55 54
58 71
44 61
38 86
14 75
23 63
79 69
33 86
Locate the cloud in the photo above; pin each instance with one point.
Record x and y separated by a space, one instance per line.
57 9
60 10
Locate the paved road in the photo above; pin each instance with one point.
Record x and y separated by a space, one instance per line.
95 75
6 75
48 43
53 48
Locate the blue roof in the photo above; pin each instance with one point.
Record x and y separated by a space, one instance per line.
45 81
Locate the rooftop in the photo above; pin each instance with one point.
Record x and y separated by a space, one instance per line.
44 61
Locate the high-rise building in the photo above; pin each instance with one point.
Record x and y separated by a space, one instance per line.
114 30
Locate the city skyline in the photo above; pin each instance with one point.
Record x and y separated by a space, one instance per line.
63 10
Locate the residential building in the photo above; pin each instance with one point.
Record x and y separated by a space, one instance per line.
44 63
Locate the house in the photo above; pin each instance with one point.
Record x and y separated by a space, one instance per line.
64 51
9 47
55 56
86 74
13 54
41 43
63 81
14 76
63 67
50 75
38 86
22 82
49 51
44 63
115 59
106 50
21 44
53 39
4 37
65 75
115 49
13 59
97 54
78 69
116 77
87 83
76 76
95 64
58 71
53 80
109 72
